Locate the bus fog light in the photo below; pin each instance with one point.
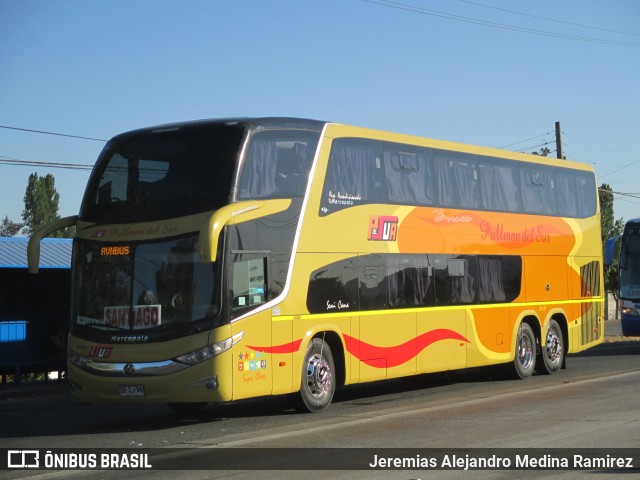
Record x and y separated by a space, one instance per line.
212 384
75 386
208 383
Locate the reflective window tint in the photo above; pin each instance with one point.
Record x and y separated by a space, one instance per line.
538 190
372 273
377 282
457 180
409 175
249 287
277 164
409 281
354 176
500 186
362 171
334 287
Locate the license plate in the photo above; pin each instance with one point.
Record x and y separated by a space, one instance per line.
131 390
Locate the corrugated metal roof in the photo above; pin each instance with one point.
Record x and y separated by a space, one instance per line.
54 252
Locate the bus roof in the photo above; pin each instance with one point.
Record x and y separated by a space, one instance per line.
259 123
255 123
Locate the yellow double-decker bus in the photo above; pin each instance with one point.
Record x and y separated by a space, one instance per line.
226 259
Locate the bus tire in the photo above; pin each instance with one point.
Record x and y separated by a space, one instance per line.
553 352
318 377
524 362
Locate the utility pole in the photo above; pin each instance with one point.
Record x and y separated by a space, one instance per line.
558 141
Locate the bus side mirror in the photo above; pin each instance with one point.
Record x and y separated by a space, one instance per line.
211 230
610 249
229 214
33 248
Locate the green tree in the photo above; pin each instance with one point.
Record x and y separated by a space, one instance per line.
9 228
609 228
544 152
40 203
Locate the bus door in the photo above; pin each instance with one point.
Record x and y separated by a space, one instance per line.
252 365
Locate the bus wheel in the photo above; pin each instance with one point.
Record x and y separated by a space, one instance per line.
553 353
524 362
318 377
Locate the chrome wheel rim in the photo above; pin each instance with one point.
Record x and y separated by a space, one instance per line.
525 351
553 348
318 376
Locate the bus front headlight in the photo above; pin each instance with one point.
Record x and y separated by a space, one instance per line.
210 351
77 360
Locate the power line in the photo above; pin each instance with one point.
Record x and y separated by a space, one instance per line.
35 163
526 149
504 26
622 194
525 140
52 133
600 148
621 168
551 19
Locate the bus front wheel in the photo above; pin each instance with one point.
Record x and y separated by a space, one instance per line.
318 377
524 362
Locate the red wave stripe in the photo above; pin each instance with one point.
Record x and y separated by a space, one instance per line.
284 348
381 357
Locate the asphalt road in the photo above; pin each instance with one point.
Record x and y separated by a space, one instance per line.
592 404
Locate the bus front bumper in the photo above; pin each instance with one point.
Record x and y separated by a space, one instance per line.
157 382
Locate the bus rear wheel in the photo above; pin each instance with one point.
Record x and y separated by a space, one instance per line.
318 377
524 362
553 352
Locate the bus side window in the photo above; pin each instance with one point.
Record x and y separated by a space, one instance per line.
249 283
499 186
585 193
566 194
334 287
457 180
409 175
354 175
258 177
538 190
291 169
462 273
372 276
455 279
409 281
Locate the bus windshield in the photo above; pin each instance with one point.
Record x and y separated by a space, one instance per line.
134 287
630 264
157 174
160 285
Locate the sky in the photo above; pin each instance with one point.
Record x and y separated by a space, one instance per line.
495 73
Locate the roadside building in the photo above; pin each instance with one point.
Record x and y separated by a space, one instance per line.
34 309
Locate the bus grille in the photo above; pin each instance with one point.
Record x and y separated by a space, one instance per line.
590 279
591 313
